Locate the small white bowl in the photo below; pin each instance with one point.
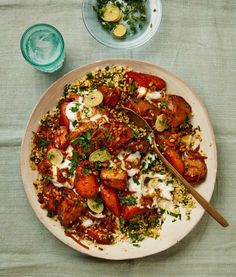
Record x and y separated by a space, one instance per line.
154 14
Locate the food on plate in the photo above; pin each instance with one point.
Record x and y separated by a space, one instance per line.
119 31
98 174
121 18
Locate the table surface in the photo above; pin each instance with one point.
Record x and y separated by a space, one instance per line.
197 41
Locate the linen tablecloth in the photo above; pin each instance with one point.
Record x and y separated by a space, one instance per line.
197 41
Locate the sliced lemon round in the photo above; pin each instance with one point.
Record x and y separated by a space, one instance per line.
55 156
93 99
111 13
161 123
100 155
119 31
95 206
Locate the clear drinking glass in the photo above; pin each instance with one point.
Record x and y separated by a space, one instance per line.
42 46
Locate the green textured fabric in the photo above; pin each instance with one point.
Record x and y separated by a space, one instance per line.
196 40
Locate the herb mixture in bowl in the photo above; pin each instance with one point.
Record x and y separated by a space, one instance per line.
121 18
98 174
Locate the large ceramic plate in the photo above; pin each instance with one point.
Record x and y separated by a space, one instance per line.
171 232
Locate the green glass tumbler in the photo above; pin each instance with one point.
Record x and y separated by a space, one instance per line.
42 46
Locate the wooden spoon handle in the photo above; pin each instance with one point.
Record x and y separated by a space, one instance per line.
201 200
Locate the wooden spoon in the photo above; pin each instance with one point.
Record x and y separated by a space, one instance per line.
139 121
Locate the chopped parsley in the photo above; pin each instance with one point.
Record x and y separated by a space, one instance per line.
136 181
50 156
73 163
75 108
85 171
79 140
110 84
107 133
76 203
88 135
174 215
132 87
134 134
163 103
129 200
98 201
42 142
84 141
86 111
74 123
89 76
47 179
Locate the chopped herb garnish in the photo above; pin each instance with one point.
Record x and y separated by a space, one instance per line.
84 141
98 165
85 171
136 100
107 133
50 156
86 111
198 128
88 135
90 76
134 134
76 203
163 103
129 200
174 215
98 201
47 179
79 140
73 163
75 108
111 85
42 142
74 123
136 181
132 87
